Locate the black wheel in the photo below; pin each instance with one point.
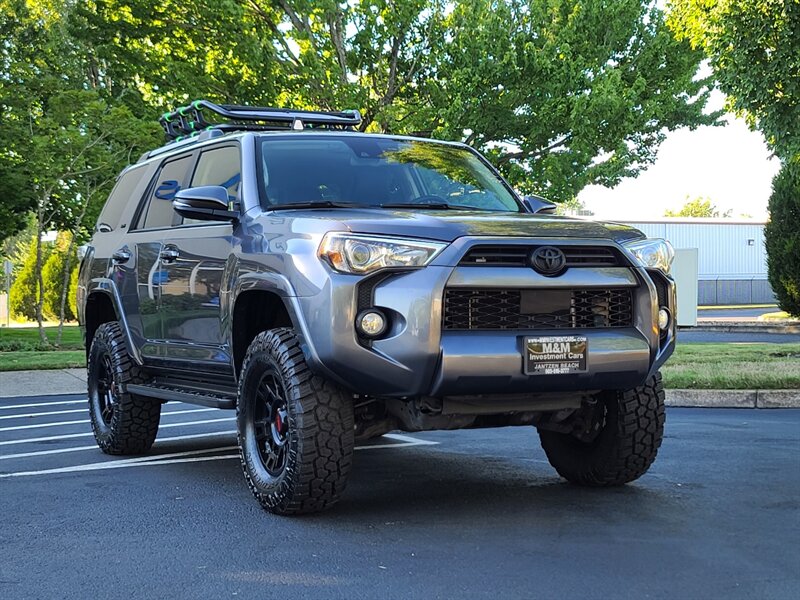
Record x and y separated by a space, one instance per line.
295 428
613 441
122 423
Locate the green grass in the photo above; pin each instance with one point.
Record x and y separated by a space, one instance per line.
27 338
734 367
693 366
774 316
34 360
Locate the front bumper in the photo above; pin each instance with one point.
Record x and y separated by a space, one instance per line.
418 358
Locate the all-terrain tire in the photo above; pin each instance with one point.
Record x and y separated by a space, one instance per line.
625 447
122 422
317 426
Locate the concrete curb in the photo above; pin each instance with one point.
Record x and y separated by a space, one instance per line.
741 327
733 398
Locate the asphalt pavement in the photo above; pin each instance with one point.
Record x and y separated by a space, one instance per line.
464 514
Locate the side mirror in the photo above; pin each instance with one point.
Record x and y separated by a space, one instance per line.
207 202
538 205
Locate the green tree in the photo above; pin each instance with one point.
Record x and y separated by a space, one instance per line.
61 256
154 54
24 292
564 93
754 49
17 64
782 237
559 93
699 207
72 295
76 141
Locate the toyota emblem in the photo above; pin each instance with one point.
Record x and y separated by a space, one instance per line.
548 260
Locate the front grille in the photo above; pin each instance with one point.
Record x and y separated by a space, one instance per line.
517 256
480 309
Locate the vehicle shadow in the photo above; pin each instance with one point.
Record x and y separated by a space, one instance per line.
458 488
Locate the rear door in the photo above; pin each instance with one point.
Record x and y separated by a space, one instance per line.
194 255
145 277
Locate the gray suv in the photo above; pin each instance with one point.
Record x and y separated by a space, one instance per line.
332 286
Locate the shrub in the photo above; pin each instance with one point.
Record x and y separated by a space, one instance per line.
23 292
782 237
53 278
72 298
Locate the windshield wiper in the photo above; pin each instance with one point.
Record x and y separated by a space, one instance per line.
316 204
431 206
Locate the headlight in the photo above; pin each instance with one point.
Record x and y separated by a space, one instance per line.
652 253
354 253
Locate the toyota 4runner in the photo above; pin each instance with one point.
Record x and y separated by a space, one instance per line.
332 286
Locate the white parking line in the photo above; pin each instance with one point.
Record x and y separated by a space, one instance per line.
116 464
40 425
70 436
408 441
42 404
159 441
191 456
50 413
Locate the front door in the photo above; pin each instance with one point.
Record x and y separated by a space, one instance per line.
194 255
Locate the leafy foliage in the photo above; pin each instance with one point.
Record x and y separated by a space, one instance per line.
72 291
754 47
61 256
562 94
782 237
24 290
699 207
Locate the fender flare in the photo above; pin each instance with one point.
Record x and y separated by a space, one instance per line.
103 285
275 283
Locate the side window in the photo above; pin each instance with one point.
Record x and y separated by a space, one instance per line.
120 197
158 212
219 166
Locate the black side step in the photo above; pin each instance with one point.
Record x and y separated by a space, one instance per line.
213 399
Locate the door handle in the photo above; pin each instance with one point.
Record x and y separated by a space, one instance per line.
170 254
121 256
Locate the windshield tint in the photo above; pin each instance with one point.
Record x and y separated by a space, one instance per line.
371 171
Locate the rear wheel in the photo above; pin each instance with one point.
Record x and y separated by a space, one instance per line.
295 428
613 441
122 423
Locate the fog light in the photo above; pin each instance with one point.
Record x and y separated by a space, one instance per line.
663 318
371 323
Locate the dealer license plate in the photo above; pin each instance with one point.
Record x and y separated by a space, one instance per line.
555 354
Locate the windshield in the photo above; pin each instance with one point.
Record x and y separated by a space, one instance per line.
372 171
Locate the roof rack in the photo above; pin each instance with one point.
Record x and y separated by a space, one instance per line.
190 121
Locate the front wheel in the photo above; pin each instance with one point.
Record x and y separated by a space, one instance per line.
295 429
614 441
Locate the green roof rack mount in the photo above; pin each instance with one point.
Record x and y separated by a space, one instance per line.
196 117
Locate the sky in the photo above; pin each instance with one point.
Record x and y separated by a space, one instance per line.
728 164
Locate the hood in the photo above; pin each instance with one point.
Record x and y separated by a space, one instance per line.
449 225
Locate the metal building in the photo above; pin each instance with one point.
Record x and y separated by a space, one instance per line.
732 260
